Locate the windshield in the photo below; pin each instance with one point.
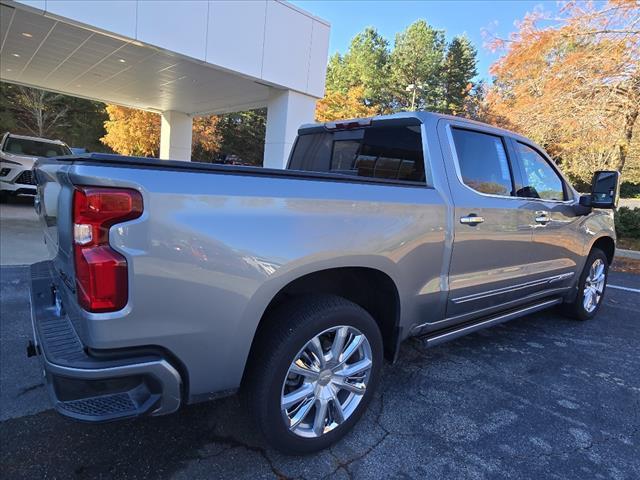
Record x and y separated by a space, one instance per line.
33 148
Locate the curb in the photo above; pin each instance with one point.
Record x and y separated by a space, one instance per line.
620 252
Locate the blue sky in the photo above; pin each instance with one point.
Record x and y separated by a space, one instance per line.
348 17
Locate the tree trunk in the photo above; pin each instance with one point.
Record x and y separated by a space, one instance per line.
630 121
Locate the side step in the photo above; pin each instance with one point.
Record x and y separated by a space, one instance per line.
431 339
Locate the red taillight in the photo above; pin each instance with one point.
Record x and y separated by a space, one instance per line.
101 272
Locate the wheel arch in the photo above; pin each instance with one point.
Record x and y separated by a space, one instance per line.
372 289
607 245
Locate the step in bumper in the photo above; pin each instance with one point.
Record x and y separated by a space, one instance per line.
86 387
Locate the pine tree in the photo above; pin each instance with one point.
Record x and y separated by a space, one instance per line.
459 70
364 65
417 62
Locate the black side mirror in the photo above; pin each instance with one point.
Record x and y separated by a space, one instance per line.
584 205
605 189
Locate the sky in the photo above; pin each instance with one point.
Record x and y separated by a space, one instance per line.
455 17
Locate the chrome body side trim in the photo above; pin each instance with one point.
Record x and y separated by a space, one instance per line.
499 291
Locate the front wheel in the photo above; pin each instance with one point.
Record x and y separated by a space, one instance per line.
314 372
591 287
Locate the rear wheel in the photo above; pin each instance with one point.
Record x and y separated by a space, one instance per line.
313 375
591 286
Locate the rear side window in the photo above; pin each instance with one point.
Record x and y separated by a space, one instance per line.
385 152
540 179
483 162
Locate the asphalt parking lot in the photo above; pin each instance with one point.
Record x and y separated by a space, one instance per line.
538 397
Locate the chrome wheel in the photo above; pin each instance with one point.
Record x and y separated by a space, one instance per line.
326 381
594 286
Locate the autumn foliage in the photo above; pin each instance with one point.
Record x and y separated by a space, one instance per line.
337 105
132 132
574 86
137 132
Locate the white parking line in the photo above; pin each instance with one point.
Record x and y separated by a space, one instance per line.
626 289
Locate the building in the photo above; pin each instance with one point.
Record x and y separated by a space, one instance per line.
179 58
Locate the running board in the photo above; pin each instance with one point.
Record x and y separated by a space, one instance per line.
432 339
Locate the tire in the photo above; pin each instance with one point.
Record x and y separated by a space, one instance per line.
579 308
291 330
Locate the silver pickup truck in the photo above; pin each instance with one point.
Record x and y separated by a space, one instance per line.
176 282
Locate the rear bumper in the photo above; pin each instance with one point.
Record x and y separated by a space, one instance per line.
93 389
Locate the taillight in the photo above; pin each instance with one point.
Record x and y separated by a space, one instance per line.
101 272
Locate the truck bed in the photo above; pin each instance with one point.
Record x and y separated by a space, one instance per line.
216 243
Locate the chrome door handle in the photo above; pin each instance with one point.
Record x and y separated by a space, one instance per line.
471 220
542 217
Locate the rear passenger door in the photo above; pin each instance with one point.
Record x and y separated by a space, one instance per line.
489 266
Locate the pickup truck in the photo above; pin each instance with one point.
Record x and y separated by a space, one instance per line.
176 282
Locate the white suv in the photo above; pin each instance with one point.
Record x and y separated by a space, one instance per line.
17 156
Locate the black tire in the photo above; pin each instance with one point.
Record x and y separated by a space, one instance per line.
4 197
289 329
576 309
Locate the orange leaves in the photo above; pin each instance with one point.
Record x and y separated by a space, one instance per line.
574 85
206 133
131 131
137 132
337 105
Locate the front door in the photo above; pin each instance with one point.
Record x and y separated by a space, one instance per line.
557 244
492 231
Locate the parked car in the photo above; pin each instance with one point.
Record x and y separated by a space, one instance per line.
18 153
176 282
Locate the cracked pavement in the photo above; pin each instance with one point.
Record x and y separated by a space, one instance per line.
538 397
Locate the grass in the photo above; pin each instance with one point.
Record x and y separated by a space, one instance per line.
628 243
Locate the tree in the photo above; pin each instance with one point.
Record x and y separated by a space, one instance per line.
459 70
37 112
242 134
206 138
364 65
420 73
417 62
574 86
136 132
30 111
337 105
132 132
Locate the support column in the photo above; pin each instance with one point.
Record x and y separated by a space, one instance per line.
175 136
286 111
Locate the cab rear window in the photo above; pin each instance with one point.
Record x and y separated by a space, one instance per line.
384 152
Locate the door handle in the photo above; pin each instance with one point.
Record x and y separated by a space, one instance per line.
542 217
471 219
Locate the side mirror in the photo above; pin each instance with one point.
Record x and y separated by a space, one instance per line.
584 206
605 189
